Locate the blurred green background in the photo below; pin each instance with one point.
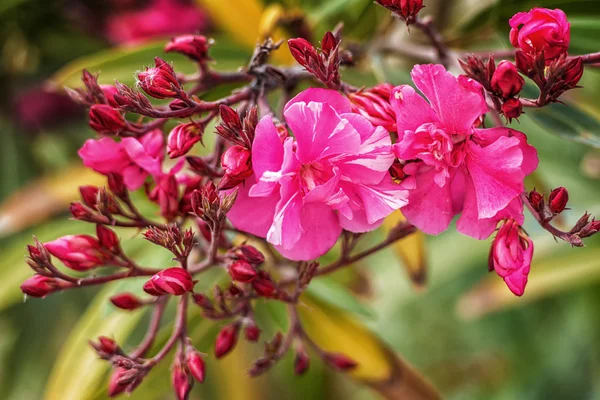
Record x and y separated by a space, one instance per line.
463 329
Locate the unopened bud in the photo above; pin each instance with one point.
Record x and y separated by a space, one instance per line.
175 281
506 80
105 119
263 285
226 340
512 108
39 286
126 301
558 200
407 9
194 46
242 271
89 195
182 138
301 361
252 254
107 238
181 382
340 361
159 82
237 162
536 200
196 366
252 332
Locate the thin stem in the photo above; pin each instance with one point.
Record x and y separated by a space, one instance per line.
566 236
157 314
178 329
427 26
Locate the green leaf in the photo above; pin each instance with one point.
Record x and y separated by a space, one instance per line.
569 122
328 290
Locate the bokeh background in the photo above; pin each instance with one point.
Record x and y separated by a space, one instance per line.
462 328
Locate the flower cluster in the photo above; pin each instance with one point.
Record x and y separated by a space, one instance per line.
335 163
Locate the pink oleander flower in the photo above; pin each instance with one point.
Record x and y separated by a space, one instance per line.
454 167
332 175
78 252
159 18
510 256
133 158
540 30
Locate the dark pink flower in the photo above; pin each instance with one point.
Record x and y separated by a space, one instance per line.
333 175
78 252
541 30
456 167
132 158
159 18
511 254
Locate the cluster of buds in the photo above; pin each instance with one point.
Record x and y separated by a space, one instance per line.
502 82
556 203
237 159
160 81
323 63
405 9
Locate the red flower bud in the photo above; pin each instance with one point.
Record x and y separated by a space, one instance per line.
237 162
374 104
105 119
178 104
264 286
78 211
202 301
159 82
323 64
536 200
397 171
340 361
107 238
194 46
181 382
166 195
114 386
574 72
116 184
512 108
252 332
106 347
558 200
226 340
89 195
126 301
301 362
196 366
175 281
242 271
198 165
109 92
251 254
525 63
39 286
182 138
78 252
407 9
506 80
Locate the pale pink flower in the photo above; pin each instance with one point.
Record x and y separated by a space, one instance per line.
510 256
132 158
332 175
453 166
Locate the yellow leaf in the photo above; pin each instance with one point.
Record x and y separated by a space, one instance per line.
411 251
337 331
44 198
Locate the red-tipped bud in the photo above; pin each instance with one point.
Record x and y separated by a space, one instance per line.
226 340
536 200
198 164
159 82
251 254
39 286
512 108
115 386
301 362
374 104
237 162
79 211
194 46
182 384
203 301
182 138
116 184
109 92
252 332
323 64
558 200
407 9
175 281
105 347
242 271
105 119
340 361
126 301
78 252
574 72
525 63
506 81
107 238
178 104
196 366
89 195
264 286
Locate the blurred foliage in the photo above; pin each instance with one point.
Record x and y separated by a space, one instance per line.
463 330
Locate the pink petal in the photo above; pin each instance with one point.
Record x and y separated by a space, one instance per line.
458 103
251 214
103 155
496 174
267 149
411 110
338 102
429 206
320 132
145 158
286 228
382 199
320 231
530 157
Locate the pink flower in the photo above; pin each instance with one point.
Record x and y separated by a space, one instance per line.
453 166
78 252
132 158
540 30
159 18
510 256
333 175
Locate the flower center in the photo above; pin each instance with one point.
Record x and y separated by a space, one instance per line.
314 174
